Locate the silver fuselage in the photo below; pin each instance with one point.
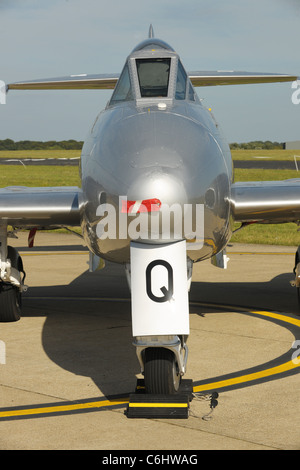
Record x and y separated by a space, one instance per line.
156 141
175 154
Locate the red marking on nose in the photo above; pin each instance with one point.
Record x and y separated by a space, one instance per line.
135 207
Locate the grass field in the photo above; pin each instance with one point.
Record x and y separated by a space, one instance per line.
277 234
20 175
269 234
39 153
239 154
280 154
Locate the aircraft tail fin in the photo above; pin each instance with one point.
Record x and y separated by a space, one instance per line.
151 32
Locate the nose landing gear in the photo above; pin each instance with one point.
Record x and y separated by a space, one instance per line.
159 284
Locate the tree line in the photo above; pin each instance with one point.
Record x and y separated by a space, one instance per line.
258 145
9 144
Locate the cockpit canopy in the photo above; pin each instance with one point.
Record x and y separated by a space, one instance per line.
152 73
153 44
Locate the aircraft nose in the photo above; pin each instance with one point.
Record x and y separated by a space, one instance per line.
166 188
162 196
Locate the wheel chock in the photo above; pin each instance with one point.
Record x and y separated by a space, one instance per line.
146 405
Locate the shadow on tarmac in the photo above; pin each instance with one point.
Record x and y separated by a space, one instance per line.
87 330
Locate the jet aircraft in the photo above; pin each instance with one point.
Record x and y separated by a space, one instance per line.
157 195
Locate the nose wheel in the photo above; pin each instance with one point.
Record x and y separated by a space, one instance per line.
161 372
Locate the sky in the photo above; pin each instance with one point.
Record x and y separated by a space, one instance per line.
43 39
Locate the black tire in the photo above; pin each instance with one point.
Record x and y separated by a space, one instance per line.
298 297
10 296
161 372
10 303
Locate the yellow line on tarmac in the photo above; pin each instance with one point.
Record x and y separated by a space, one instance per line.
158 405
287 366
277 316
61 408
273 253
54 253
75 407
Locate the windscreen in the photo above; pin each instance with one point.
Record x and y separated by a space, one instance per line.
180 83
153 77
123 90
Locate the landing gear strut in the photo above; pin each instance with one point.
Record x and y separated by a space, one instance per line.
159 280
11 280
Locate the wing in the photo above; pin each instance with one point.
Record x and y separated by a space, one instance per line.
229 77
266 201
73 82
108 81
40 207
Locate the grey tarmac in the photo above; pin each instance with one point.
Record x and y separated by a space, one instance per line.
73 344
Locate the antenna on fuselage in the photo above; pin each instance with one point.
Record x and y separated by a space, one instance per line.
151 32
